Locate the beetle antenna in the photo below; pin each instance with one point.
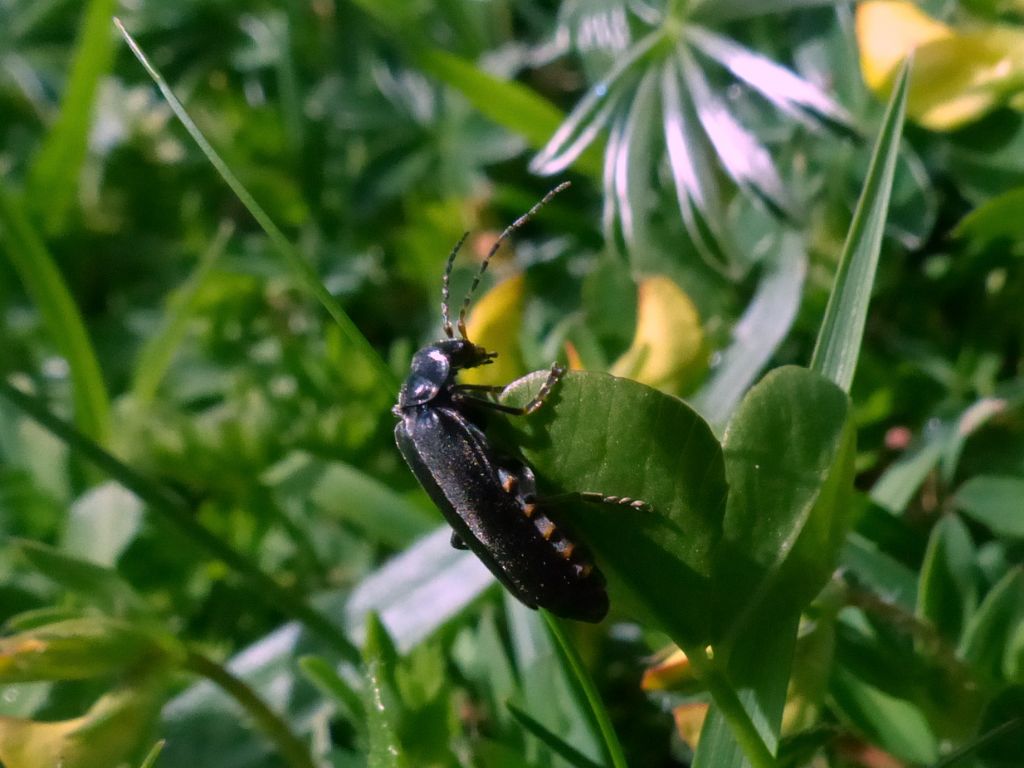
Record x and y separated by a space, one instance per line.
447 322
509 230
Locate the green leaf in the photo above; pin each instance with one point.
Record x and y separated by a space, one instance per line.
765 322
838 346
574 664
299 266
382 701
158 352
54 175
993 221
342 492
44 283
79 649
566 751
893 724
995 502
989 636
100 586
509 104
154 754
789 453
948 593
601 434
330 683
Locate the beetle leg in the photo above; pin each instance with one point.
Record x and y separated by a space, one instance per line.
457 542
622 501
554 375
494 389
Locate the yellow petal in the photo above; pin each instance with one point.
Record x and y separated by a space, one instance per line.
494 324
668 347
887 31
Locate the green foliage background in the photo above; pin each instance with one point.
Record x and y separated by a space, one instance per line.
198 480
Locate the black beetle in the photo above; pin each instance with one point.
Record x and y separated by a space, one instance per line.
490 500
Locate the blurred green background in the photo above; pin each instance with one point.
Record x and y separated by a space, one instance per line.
716 151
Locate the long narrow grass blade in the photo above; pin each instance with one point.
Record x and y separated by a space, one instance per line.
287 251
179 514
781 86
632 166
838 347
53 177
574 664
158 352
566 751
153 755
44 283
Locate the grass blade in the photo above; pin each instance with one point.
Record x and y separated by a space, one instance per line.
287 251
180 515
572 661
53 177
158 352
46 286
154 753
566 751
838 347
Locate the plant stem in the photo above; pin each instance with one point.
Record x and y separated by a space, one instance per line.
292 749
729 704
613 749
178 513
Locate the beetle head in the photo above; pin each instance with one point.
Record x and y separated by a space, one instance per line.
434 368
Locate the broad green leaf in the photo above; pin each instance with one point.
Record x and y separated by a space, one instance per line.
53 177
101 587
601 434
989 635
880 572
509 104
948 593
64 324
995 502
79 649
839 340
789 453
893 724
382 702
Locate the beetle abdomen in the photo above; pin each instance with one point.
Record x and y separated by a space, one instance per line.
513 536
